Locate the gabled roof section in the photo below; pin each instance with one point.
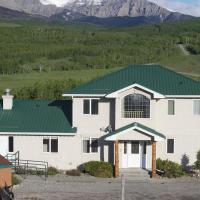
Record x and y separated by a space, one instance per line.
154 77
37 117
139 127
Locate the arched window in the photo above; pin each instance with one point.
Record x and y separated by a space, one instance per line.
136 106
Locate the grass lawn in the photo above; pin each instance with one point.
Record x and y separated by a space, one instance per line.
20 80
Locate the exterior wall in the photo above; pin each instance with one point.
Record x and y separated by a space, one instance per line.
68 156
184 126
3 145
5 177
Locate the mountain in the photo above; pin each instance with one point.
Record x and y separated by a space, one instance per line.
96 11
33 7
6 13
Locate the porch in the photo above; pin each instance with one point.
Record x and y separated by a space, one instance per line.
130 147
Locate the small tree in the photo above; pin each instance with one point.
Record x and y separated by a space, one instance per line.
197 163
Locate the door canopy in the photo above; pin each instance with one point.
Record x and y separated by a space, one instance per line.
137 127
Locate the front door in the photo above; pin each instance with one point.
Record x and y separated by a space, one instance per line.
131 154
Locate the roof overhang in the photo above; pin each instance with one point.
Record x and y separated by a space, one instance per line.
155 94
183 96
83 95
137 127
37 134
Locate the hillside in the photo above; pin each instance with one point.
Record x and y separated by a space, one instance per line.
30 47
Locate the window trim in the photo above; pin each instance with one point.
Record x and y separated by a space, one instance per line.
90 106
167 145
90 145
196 115
174 107
50 138
123 102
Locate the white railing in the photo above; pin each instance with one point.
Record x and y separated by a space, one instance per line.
133 114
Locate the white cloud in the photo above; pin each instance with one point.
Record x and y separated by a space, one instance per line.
180 6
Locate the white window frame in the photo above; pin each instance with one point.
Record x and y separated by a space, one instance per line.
174 146
49 138
90 147
168 107
90 106
198 115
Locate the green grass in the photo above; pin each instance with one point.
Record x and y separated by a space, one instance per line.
17 81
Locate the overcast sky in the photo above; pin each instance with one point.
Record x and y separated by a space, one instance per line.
191 7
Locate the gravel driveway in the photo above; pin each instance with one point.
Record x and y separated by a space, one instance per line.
90 188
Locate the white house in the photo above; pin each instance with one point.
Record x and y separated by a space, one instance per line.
129 118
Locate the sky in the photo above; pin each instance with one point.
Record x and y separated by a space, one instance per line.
191 7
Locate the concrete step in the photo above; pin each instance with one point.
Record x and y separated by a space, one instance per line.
135 174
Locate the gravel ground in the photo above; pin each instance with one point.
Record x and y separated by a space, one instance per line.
90 188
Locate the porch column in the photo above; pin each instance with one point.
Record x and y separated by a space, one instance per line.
116 158
153 175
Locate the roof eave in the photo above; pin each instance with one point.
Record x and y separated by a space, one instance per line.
83 95
156 95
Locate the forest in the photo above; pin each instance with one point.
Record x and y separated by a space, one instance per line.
31 47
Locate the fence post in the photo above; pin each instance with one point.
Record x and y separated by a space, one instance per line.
123 186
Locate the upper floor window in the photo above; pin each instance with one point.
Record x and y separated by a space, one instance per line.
91 106
196 107
171 107
136 106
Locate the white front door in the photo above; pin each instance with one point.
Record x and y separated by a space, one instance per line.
131 154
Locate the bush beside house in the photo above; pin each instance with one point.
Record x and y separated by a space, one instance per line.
197 163
171 169
99 169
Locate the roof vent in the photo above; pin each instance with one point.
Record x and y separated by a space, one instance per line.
7 100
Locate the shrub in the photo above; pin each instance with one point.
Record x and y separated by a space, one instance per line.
99 169
171 169
73 172
16 180
52 171
197 163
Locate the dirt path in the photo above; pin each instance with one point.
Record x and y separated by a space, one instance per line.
184 50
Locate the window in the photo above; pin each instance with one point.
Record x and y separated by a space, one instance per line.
90 145
50 145
54 145
91 106
170 145
45 145
171 107
135 147
125 147
86 146
136 106
11 144
86 106
94 145
95 107
145 148
196 107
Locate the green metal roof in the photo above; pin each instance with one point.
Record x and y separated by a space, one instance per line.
153 77
37 116
141 126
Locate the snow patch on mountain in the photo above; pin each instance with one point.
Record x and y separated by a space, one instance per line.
62 3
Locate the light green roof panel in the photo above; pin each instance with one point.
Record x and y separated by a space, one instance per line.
153 77
35 116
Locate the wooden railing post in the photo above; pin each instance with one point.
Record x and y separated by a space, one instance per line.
153 159
116 158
